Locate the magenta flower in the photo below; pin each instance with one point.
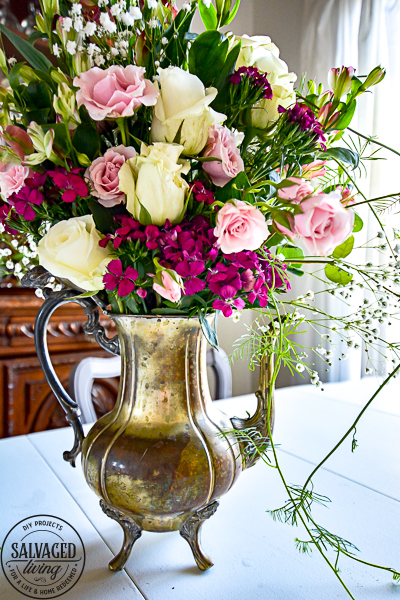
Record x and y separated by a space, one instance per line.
224 281
141 293
202 194
256 78
152 233
72 184
189 271
226 305
23 200
306 120
260 293
116 276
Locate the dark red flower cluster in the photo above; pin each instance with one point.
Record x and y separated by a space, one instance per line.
29 195
257 78
247 272
191 250
202 194
306 119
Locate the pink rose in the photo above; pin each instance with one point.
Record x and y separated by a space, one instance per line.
12 178
170 289
103 175
324 223
314 169
114 92
296 192
240 226
221 144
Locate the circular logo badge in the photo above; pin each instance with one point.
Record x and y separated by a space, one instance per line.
43 556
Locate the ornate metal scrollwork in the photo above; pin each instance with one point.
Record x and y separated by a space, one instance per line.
132 532
40 278
257 434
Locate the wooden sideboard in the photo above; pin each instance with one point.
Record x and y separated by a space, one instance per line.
26 401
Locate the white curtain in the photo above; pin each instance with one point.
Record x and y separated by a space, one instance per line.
361 34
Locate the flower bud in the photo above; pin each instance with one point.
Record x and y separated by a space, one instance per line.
3 62
374 77
81 63
65 104
40 24
340 80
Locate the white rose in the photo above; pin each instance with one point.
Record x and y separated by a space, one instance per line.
153 180
183 109
260 52
70 250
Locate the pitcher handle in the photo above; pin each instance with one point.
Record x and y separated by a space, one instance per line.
39 278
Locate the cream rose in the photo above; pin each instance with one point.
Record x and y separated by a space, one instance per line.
153 180
70 250
183 108
260 52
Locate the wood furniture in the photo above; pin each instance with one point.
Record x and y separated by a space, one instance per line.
26 401
255 558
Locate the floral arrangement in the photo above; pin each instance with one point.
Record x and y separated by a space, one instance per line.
175 173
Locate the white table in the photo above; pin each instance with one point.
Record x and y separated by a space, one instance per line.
255 558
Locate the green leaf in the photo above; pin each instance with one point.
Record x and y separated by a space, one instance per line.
37 96
85 295
208 331
144 216
168 311
338 275
346 117
35 36
344 249
207 56
103 217
13 76
35 58
86 141
208 15
290 252
130 302
233 13
222 82
41 117
274 240
294 271
358 223
345 155
175 50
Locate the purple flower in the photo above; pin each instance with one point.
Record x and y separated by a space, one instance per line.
306 119
189 271
116 276
255 76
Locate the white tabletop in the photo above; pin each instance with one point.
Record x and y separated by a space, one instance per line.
255 558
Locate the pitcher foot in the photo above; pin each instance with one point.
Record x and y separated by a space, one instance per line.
132 533
190 531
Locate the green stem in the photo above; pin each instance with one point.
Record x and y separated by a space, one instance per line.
120 305
373 141
348 432
122 127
